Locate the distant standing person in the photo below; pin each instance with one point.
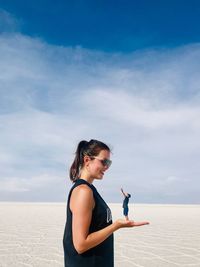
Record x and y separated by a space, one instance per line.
88 235
125 204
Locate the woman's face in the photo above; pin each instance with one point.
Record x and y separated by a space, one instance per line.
96 167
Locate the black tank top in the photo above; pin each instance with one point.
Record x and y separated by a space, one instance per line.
99 256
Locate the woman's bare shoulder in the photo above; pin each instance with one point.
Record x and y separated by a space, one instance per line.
82 194
82 189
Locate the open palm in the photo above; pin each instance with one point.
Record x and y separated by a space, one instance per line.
129 223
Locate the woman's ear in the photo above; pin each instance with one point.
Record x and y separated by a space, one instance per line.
86 160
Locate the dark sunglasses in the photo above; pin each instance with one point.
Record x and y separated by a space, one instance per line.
105 162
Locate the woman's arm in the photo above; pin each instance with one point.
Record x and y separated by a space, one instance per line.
81 205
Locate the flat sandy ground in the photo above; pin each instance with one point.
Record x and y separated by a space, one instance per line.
31 235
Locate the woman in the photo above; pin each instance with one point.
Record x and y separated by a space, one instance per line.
88 236
125 203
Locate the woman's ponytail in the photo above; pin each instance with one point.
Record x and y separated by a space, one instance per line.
78 161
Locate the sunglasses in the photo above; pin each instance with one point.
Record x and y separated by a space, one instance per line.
105 162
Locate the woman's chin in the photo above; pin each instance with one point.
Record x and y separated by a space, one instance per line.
100 177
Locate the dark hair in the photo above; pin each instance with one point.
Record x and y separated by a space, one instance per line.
91 148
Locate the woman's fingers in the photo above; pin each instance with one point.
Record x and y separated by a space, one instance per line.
140 223
133 223
129 223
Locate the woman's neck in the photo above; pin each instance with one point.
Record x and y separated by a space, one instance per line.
85 176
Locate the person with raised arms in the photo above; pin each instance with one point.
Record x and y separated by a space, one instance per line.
125 203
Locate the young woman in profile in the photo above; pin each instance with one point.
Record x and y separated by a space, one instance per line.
88 236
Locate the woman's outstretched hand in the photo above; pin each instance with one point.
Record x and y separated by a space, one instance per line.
128 223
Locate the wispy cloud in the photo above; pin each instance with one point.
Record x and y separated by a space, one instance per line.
18 184
145 104
8 22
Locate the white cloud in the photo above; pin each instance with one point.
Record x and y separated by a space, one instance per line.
125 107
171 179
18 184
145 104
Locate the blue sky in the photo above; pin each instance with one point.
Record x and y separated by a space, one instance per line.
126 73
108 25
